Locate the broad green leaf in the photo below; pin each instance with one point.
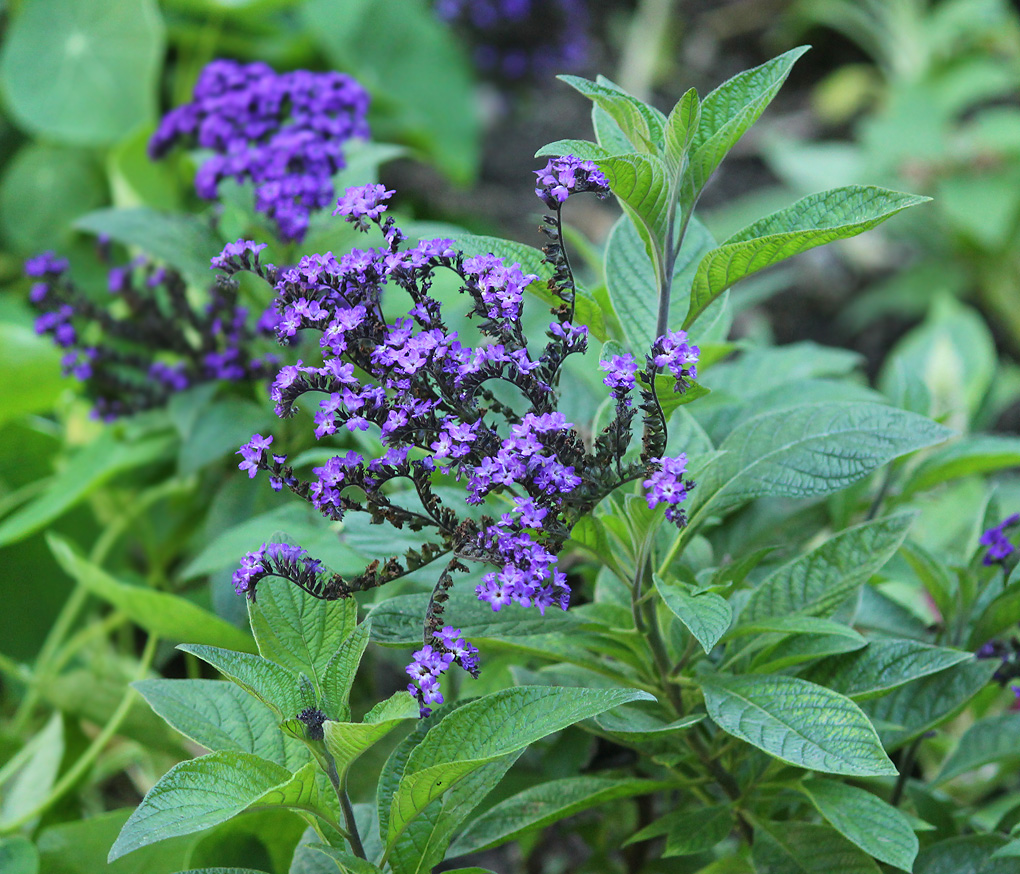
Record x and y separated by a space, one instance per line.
800 848
274 686
688 831
182 241
631 723
798 722
340 673
24 788
865 819
424 842
729 110
196 795
910 710
936 578
706 615
807 451
307 789
411 63
640 123
641 183
160 613
32 364
44 189
977 454
816 583
813 221
583 149
544 804
101 61
343 862
487 729
967 854
222 716
298 631
608 132
798 648
759 370
630 279
18 855
346 741
88 469
991 739
681 127
1000 614
883 665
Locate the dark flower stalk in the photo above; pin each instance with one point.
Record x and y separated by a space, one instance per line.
426 393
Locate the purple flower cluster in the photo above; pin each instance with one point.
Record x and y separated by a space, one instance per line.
152 342
427 395
999 546
516 39
568 175
430 663
283 131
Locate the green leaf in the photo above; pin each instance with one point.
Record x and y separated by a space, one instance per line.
101 60
798 722
88 469
800 848
307 789
28 784
544 804
632 286
298 631
160 613
219 430
182 241
340 673
813 221
344 862
816 583
1002 613
688 831
729 110
798 648
991 739
705 615
967 854
274 686
411 63
883 665
346 741
487 729
196 795
631 723
32 364
873 825
910 710
583 149
640 123
641 183
937 579
18 855
807 451
969 456
681 128
221 717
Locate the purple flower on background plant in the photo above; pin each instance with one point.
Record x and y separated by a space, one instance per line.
285 132
999 545
157 341
517 39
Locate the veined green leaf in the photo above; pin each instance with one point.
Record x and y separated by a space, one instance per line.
883 665
640 123
729 110
487 729
798 722
816 583
340 673
813 221
346 741
977 454
1000 614
807 451
274 686
873 825
297 631
161 613
803 848
991 739
936 578
681 127
688 831
641 183
196 795
583 149
705 615
36 766
222 716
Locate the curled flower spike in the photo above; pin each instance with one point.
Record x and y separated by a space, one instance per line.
414 382
1000 547
568 175
285 132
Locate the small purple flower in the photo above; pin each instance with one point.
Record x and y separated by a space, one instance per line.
252 453
366 202
568 175
1000 547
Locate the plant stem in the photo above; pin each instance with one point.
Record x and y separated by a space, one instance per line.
340 787
93 750
906 766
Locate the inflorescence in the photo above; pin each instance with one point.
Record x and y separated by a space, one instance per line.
153 341
283 131
516 39
427 394
999 546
